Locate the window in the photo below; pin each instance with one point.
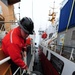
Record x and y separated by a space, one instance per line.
57 63
0 9
73 35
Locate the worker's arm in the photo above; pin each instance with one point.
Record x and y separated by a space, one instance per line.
14 52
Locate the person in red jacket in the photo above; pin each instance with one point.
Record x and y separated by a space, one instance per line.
15 41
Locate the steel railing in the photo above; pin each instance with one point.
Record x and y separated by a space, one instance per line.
5 60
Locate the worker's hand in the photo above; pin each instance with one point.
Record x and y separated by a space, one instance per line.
24 54
49 42
25 48
27 70
25 67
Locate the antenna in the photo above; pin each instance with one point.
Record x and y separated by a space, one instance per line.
19 10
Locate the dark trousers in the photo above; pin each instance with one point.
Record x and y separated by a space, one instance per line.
13 66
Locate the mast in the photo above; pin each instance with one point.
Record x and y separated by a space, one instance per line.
52 15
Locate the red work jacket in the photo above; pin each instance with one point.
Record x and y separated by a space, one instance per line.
12 45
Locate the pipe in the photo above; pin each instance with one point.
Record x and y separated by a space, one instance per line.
4 60
7 22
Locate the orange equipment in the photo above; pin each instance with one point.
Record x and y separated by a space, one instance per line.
44 35
28 41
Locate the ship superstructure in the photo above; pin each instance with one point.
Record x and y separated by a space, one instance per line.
60 49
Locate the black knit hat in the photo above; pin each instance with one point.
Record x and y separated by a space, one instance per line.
27 25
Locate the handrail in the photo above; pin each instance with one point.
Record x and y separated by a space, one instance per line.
4 60
7 22
16 71
64 46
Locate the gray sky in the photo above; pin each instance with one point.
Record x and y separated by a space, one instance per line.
38 10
